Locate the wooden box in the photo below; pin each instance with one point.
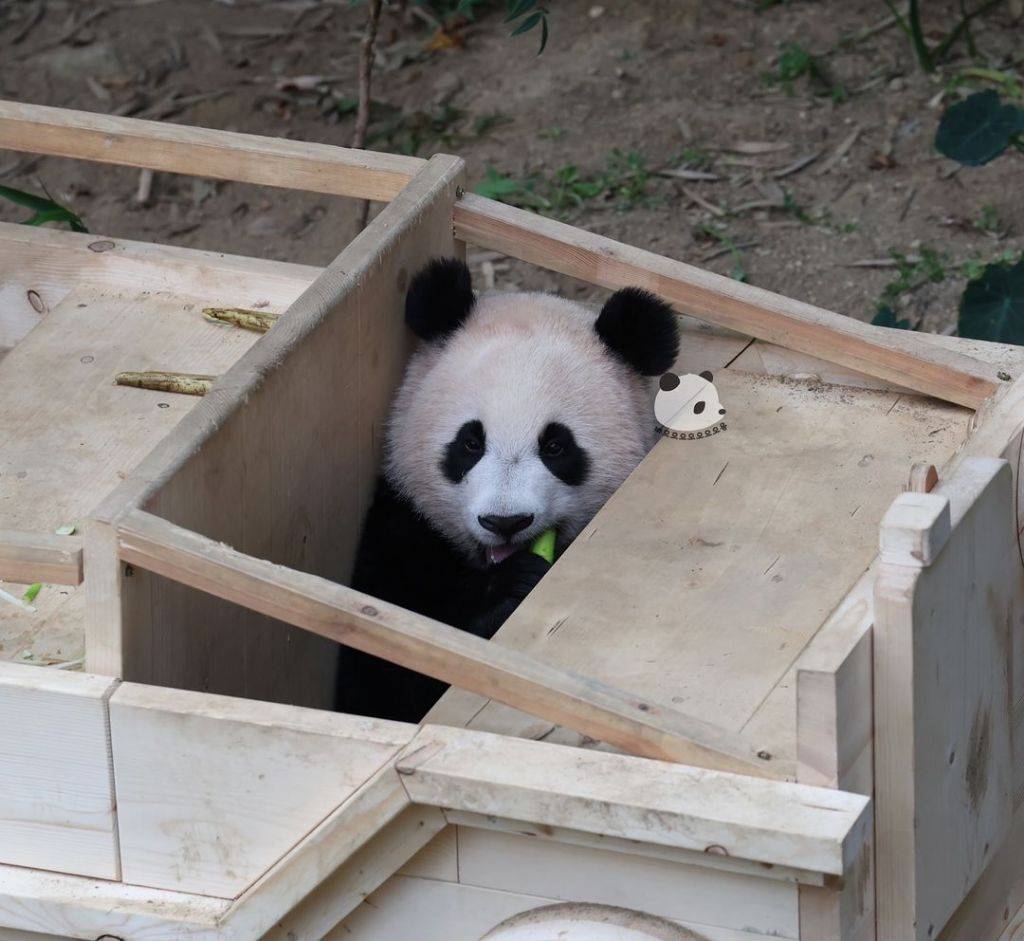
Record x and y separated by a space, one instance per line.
774 690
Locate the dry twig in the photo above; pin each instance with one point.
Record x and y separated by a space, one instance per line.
365 84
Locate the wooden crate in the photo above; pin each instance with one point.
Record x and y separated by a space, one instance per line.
779 679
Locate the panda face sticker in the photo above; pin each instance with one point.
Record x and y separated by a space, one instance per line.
688 404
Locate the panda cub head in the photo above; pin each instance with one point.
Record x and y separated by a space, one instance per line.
521 412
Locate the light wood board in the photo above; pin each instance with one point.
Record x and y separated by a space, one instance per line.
280 462
949 610
56 792
212 791
70 435
702 579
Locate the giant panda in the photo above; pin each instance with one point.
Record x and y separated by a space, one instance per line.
517 413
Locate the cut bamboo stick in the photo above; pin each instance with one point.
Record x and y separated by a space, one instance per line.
182 383
259 321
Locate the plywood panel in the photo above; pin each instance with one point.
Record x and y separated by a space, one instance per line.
281 465
70 435
212 791
407 907
948 600
690 894
706 574
56 792
90 909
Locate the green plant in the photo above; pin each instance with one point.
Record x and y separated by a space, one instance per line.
624 182
929 57
526 14
988 220
43 209
992 306
885 316
714 233
979 128
912 273
795 62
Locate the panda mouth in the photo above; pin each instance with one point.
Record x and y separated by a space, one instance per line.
495 555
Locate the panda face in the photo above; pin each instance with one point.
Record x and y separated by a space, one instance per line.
520 421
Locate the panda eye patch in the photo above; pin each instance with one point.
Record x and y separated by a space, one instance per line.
463 451
698 408
562 454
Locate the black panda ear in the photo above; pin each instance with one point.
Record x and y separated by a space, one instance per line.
640 329
707 375
439 299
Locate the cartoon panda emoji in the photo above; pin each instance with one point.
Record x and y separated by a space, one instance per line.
688 406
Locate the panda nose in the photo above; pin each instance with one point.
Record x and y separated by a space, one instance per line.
506 526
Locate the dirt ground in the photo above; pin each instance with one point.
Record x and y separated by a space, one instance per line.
678 83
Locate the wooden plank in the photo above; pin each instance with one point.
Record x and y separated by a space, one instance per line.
442 862
213 791
943 749
408 907
439 859
56 794
743 543
223 155
362 873
40 557
246 472
89 909
987 912
70 435
385 630
776 822
689 894
40 266
874 351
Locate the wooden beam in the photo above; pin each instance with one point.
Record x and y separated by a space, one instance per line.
223 155
774 822
873 351
446 653
943 715
40 557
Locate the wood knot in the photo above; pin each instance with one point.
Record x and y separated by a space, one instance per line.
369 610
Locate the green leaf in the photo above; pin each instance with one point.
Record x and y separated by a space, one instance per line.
516 8
978 129
543 35
992 306
496 185
31 592
532 20
46 210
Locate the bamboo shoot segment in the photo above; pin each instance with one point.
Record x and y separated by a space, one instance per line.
183 383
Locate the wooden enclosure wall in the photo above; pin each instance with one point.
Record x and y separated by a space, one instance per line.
279 461
56 793
949 614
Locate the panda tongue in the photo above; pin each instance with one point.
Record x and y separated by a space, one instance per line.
498 554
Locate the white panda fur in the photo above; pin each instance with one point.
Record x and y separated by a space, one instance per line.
498 382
